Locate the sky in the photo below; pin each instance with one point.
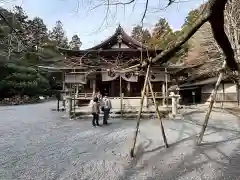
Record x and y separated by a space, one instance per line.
93 22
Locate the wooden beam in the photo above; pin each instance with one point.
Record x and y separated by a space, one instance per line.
139 112
158 113
212 97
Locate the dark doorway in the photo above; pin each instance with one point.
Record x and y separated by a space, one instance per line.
191 95
105 88
198 95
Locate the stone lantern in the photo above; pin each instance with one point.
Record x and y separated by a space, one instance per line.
175 100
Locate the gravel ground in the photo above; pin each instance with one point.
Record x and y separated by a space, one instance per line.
36 143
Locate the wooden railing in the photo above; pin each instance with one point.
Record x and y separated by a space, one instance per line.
89 95
156 94
85 95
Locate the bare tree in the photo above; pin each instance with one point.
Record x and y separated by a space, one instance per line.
232 22
213 12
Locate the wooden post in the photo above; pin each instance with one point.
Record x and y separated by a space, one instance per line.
163 94
166 87
94 86
69 106
74 100
63 89
140 112
121 96
158 114
238 93
128 88
213 97
223 94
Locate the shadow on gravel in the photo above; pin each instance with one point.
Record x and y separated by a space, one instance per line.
192 112
158 158
189 163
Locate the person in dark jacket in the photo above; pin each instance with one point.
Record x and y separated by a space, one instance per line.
95 112
107 106
58 96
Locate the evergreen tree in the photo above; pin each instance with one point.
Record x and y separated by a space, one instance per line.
37 30
141 35
75 43
58 35
162 29
16 77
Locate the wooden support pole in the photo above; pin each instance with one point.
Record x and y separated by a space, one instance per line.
158 114
147 93
212 97
74 100
139 112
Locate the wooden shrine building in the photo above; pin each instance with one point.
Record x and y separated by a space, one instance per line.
95 69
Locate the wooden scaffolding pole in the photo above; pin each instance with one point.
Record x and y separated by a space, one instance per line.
158 113
139 112
212 97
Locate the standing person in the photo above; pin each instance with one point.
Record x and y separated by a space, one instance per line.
58 96
99 96
107 106
95 112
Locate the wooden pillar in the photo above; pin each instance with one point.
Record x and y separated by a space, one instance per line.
74 100
121 95
129 88
223 94
212 97
158 114
166 87
238 98
94 86
63 81
163 94
63 89
69 106
139 112
121 101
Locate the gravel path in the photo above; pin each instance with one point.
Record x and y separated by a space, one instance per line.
36 143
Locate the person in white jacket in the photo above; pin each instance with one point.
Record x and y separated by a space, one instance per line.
106 107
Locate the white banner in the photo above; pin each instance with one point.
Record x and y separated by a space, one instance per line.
76 78
109 76
130 77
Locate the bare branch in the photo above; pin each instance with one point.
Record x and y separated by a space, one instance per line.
214 13
145 11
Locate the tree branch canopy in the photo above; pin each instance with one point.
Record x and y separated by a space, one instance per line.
213 12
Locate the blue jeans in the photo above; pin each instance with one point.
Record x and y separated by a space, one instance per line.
95 119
